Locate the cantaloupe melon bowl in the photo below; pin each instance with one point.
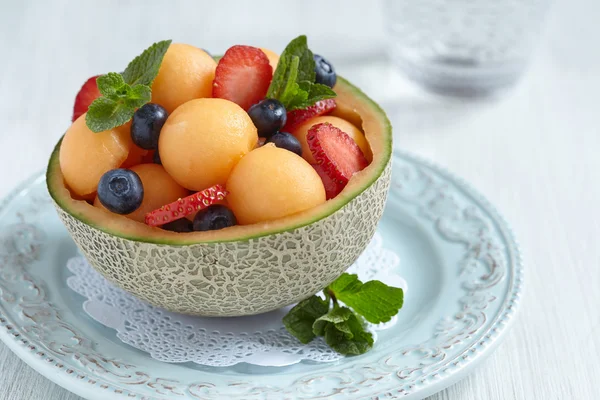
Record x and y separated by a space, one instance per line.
243 269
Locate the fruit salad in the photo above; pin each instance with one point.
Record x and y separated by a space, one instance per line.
184 141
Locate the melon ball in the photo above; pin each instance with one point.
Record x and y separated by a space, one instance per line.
347 112
85 155
186 73
203 140
159 189
272 56
271 183
359 138
136 156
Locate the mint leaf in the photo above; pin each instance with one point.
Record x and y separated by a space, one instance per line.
343 331
300 319
320 92
144 68
339 315
294 92
312 92
104 114
118 104
374 300
110 84
137 96
345 282
299 48
293 82
291 88
279 78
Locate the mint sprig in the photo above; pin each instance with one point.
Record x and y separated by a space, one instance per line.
341 326
293 82
124 93
117 104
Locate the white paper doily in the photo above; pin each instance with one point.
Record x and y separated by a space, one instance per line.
170 337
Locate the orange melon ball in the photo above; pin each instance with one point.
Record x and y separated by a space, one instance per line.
301 131
272 56
159 189
136 156
186 73
271 183
347 112
202 141
85 156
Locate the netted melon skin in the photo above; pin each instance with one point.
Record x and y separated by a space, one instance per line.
242 277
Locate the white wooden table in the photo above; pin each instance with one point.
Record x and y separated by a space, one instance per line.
535 153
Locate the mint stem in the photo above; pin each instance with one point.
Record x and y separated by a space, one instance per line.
332 296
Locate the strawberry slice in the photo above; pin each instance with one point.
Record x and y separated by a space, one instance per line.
336 152
297 117
87 94
332 188
188 205
243 76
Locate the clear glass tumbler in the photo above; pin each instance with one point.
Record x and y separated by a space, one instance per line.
463 47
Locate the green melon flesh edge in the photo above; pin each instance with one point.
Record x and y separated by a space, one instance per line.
379 135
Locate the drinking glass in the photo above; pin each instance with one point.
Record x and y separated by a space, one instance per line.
463 47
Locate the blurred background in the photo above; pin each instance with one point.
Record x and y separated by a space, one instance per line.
49 48
531 148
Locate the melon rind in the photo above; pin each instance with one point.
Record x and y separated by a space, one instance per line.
236 278
250 275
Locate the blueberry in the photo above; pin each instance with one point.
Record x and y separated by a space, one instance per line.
269 116
179 225
156 158
286 141
325 71
147 122
121 191
213 218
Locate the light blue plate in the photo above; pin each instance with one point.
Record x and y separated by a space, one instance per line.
459 257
